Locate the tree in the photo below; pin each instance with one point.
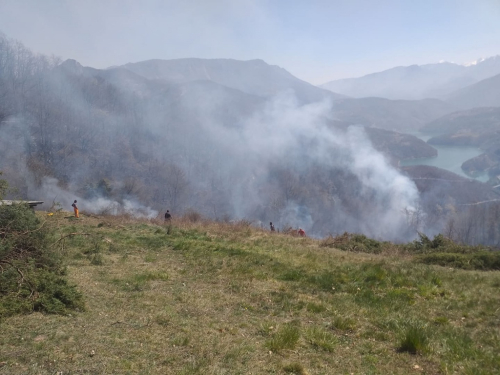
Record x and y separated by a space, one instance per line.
3 187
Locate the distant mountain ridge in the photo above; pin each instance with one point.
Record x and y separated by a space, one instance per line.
417 81
254 77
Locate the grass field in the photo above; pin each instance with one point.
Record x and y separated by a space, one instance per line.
211 298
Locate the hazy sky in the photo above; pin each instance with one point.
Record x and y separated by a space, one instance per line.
316 40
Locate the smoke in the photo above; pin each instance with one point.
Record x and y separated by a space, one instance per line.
199 146
63 198
301 138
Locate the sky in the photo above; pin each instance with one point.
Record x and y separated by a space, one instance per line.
315 40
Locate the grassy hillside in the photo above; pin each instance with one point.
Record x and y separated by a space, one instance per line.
199 297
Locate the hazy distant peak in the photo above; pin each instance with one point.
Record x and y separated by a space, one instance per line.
475 62
482 60
72 66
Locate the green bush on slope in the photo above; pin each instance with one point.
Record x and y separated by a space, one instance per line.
32 277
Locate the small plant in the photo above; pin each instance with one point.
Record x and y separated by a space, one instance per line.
266 328
292 275
441 320
344 324
315 307
321 339
414 339
162 320
295 368
96 260
287 337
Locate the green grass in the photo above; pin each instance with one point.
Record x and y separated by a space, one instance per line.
415 339
211 298
287 337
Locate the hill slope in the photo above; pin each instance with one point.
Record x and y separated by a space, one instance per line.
485 93
211 298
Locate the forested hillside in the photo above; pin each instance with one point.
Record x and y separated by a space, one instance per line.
119 141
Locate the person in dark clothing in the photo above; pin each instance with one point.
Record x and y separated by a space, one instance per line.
168 216
272 226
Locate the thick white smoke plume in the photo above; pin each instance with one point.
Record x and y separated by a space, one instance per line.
111 139
302 138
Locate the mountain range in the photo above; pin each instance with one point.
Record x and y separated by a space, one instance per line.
253 77
415 82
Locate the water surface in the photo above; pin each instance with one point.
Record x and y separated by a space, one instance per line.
449 158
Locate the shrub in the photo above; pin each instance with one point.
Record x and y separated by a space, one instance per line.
356 243
440 244
485 260
55 295
32 276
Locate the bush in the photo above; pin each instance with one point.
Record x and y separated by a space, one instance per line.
32 276
356 243
22 236
485 260
440 244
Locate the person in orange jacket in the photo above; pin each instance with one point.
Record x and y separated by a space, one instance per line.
75 208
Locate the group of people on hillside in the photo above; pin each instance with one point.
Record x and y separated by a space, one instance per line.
168 217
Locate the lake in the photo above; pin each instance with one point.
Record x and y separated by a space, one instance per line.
449 158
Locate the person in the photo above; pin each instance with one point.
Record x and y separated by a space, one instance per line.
75 208
272 226
168 216
302 232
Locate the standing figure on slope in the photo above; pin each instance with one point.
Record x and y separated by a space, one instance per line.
75 208
272 226
168 216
